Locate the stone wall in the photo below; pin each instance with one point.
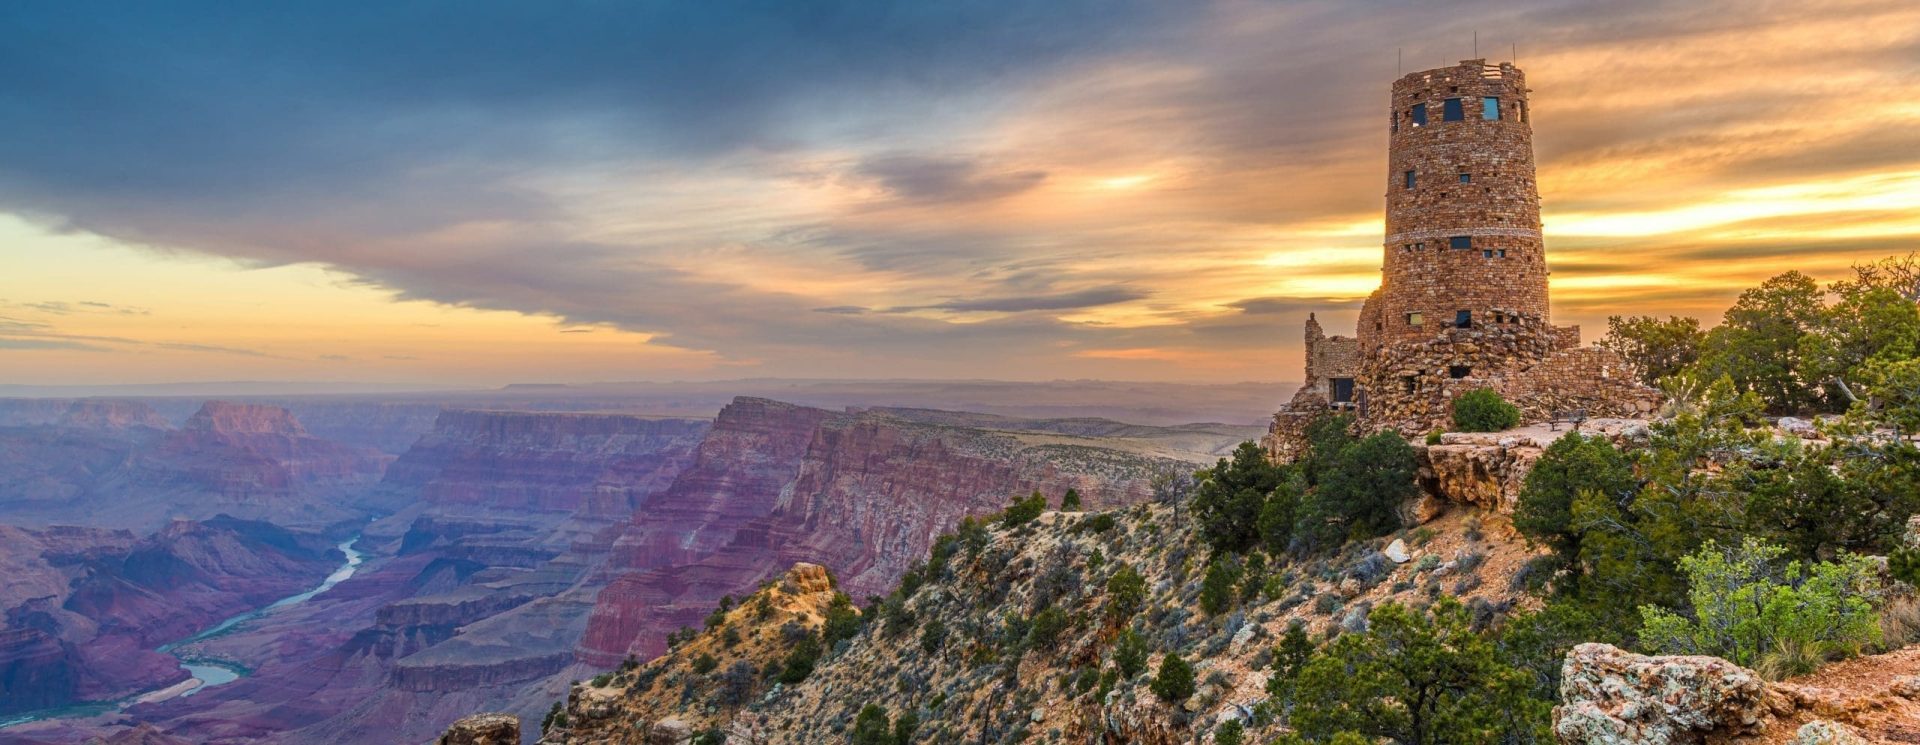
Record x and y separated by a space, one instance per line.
1471 179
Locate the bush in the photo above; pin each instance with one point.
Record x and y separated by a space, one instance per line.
705 663
1433 438
1360 493
1129 653
1070 502
1217 590
1023 511
1483 410
1752 610
1046 629
871 727
1904 565
1232 495
1573 465
1126 593
1174 683
800 660
1228 733
842 620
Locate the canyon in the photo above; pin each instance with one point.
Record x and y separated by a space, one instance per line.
510 552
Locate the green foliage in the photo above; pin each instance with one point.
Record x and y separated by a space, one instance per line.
1174 683
1126 594
800 660
1417 678
1228 733
1129 653
1757 345
842 621
1749 604
933 635
1483 410
1435 437
1253 577
710 737
1289 657
1217 590
1070 502
1046 628
1023 511
1231 495
1361 491
1573 465
871 727
905 727
1904 565
1655 348
1277 517
705 663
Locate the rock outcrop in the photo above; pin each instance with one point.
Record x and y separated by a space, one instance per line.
484 729
254 452
111 414
1613 697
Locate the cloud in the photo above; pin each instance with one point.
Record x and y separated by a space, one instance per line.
1089 298
921 178
1290 306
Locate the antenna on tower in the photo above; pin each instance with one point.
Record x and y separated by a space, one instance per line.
1476 45
1515 59
1399 60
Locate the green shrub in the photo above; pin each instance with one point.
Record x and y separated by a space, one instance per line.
1070 502
871 727
1433 438
1231 496
1023 511
1126 593
1904 565
1573 465
705 663
1228 733
1483 410
1751 609
1174 683
1046 629
842 620
800 660
1217 589
1129 653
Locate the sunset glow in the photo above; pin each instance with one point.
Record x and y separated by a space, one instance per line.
1158 195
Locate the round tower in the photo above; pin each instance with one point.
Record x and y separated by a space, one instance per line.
1463 244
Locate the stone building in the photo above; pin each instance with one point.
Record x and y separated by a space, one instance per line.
1463 300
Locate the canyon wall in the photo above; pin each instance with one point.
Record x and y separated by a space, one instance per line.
863 493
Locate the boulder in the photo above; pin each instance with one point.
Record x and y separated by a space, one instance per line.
1614 697
1824 732
484 729
669 731
1397 551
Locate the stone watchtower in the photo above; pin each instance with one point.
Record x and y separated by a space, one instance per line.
1462 302
1463 245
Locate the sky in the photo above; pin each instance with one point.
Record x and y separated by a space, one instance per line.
479 193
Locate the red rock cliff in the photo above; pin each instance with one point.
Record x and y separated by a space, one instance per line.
864 494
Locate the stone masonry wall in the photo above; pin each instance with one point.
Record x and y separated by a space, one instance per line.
1471 179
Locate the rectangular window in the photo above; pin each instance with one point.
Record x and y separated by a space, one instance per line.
1453 111
1458 371
1342 390
1416 319
1490 108
1503 253
1393 121
1460 241
1466 178
1419 114
1419 246
1412 383
1463 319
1410 179
1486 254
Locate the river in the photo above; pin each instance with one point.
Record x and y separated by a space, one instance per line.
206 673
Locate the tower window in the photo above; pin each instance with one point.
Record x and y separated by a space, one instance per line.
1453 111
1419 246
1410 179
1488 253
1490 108
1466 178
1393 122
1342 390
1463 319
1416 319
1460 241
1419 114
1459 371
1412 383
1503 253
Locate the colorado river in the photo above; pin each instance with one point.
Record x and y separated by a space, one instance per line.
205 673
